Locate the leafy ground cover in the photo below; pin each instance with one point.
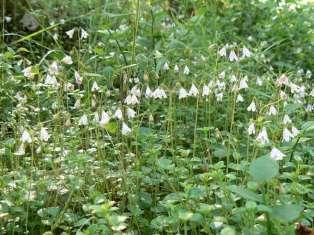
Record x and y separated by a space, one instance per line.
157 117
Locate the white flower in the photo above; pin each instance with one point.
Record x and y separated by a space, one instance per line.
51 80
259 81
125 129
283 95
67 60
239 98
77 104
262 137
95 87
118 114
233 56
27 72
220 85
135 91
20 151
246 52
182 93
78 78
70 33
206 90
219 96
53 68
233 78
193 91
286 135
166 66
26 137
176 69
130 113
148 92
243 83
251 129
222 75
159 93
272 111
252 107
294 131
44 135
312 93
68 87
83 120
186 70
105 118
276 154
282 80
131 100
222 52
84 34
286 119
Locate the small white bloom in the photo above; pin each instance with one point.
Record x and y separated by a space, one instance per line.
44 135
83 120
125 129
182 93
176 69
219 96
294 131
286 135
276 154
252 107
251 129
67 60
282 80
262 136
193 91
243 83
283 95
159 93
135 91
77 104
26 137
206 90
20 151
51 80
130 113
239 98
70 33
259 81
286 119
78 78
233 78
166 66
84 34
222 75
148 92
312 93
105 118
118 114
272 110
220 85
27 72
53 68
131 100
222 52
95 87
233 56
186 70
246 52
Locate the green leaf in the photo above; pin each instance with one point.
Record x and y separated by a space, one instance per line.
308 126
112 127
263 169
287 213
228 231
245 193
165 164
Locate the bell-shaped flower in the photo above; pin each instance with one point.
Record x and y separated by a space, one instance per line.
70 33
26 137
130 113
246 52
251 129
44 135
131 100
125 129
287 136
262 136
183 93
186 70
95 87
67 60
272 111
105 118
233 56
276 154
83 121
118 114
286 119
78 78
193 91
252 107
159 93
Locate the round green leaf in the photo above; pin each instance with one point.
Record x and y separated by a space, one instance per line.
263 169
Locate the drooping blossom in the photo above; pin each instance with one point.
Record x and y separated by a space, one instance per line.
95 87
26 137
70 33
262 136
193 90
186 70
159 93
183 93
252 107
276 154
125 129
233 56
44 135
83 121
118 114
251 129
287 136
